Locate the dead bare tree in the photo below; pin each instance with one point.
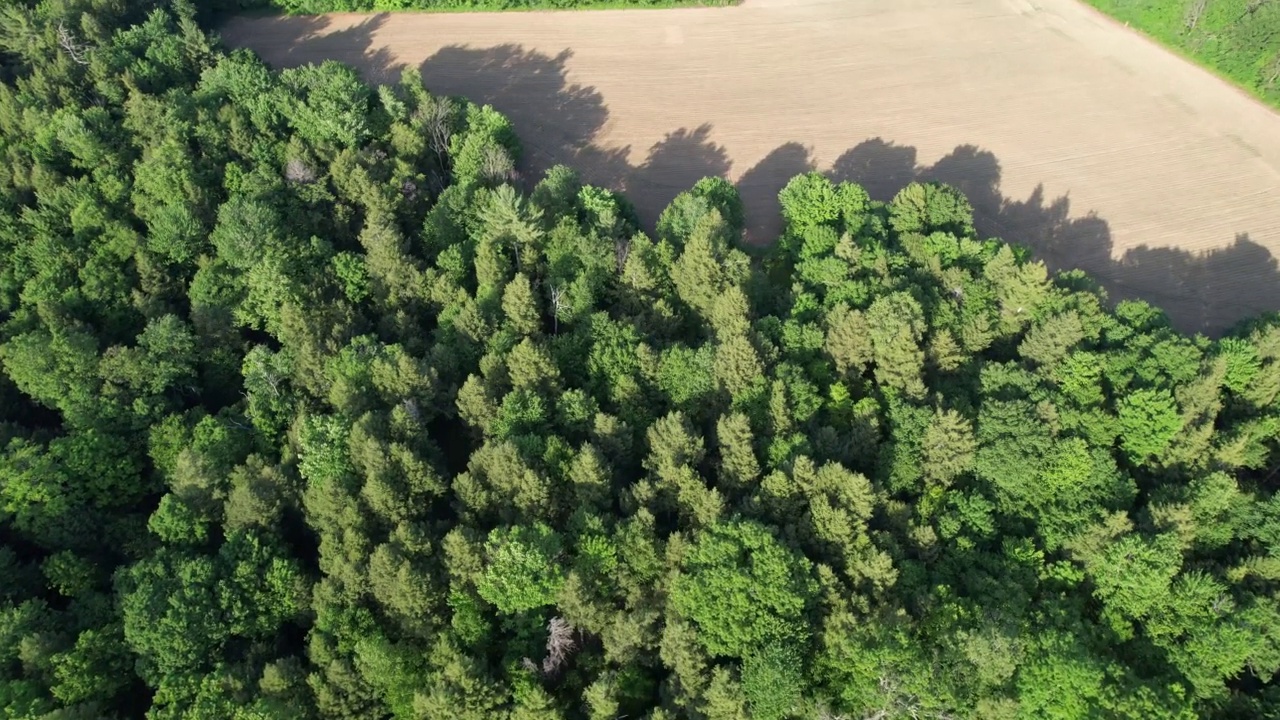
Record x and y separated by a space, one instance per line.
905 705
558 305
1274 69
297 171
496 165
437 119
826 713
1253 7
560 645
77 51
410 407
409 190
621 250
1194 12
243 427
267 374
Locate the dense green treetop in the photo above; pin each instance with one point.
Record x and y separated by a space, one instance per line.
307 411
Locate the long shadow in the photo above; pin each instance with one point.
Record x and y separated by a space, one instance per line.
672 166
1200 292
290 41
557 121
560 122
759 188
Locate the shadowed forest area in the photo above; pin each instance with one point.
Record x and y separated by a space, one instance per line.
558 122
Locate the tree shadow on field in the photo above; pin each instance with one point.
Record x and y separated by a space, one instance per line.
759 188
1201 292
294 40
561 122
558 123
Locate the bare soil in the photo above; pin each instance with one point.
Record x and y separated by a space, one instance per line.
1070 133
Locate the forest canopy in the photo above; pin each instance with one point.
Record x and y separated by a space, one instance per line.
308 410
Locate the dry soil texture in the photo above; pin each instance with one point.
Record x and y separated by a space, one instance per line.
1070 133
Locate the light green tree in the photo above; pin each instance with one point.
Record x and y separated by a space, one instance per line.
743 589
523 568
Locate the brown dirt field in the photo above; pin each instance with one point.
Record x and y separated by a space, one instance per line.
1070 133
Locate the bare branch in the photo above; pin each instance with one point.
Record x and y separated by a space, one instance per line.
560 645
238 425
409 190
1253 7
437 118
558 305
621 250
1194 13
297 171
1275 71
78 52
496 165
410 407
